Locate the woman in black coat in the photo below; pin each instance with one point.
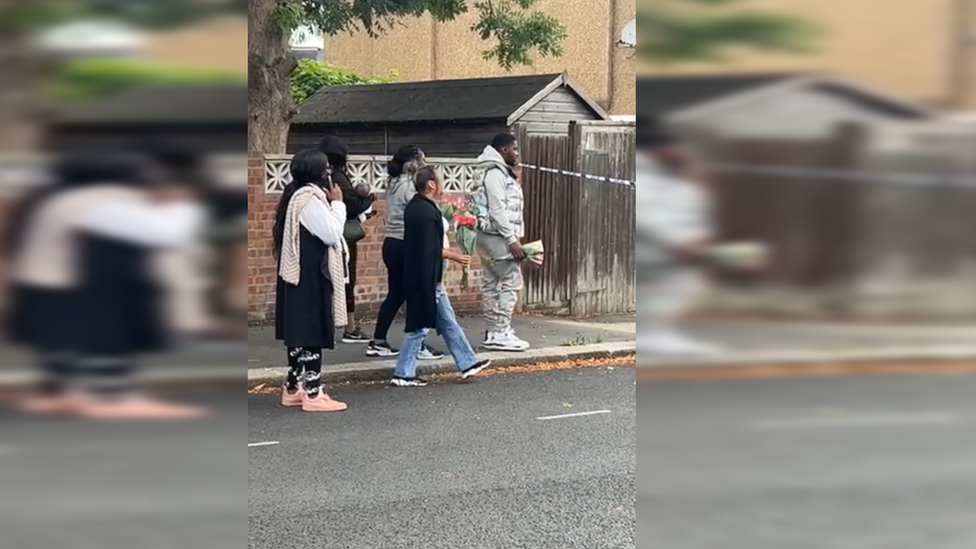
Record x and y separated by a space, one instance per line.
307 244
426 248
359 202
86 298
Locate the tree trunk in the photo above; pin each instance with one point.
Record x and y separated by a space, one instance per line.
269 68
23 109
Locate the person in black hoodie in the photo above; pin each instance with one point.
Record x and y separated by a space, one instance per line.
359 202
428 306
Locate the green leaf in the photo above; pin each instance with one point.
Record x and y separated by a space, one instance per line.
311 76
88 79
708 30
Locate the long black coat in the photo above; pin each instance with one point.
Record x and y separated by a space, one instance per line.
423 271
115 309
120 305
303 313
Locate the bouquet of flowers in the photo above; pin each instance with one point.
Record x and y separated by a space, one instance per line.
466 236
465 222
535 253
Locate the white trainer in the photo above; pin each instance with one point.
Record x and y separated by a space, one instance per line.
669 343
505 341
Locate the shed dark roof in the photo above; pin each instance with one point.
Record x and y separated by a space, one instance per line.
164 105
434 101
664 95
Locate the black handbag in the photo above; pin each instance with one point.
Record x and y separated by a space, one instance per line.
353 231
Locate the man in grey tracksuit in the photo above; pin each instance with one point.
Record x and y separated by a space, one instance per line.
674 231
498 199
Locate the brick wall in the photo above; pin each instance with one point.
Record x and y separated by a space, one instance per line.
371 284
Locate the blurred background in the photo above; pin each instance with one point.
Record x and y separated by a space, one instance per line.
133 77
823 153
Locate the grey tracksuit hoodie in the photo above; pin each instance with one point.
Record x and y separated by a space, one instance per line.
499 200
399 193
672 211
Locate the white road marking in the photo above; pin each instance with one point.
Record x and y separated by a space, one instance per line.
260 444
579 414
854 422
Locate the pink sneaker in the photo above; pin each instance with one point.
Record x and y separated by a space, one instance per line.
44 405
322 402
137 407
291 398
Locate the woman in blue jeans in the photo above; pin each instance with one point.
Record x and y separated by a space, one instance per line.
428 306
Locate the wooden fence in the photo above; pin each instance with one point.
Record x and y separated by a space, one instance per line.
875 223
580 202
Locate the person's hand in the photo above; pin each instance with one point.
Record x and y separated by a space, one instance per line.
334 193
174 193
517 252
459 258
692 253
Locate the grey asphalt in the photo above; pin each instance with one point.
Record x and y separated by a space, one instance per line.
459 465
833 463
74 485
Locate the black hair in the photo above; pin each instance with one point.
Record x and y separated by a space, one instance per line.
177 161
308 167
403 156
425 175
72 170
336 150
652 132
502 140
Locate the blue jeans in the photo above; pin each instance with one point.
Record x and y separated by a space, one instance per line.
447 325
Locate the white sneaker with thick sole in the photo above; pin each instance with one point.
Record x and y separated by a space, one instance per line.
675 344
505 341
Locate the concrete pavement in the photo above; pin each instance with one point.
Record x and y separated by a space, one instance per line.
835 463
795 346
455 465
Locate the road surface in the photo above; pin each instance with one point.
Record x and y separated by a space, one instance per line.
835 463
73 485
453 466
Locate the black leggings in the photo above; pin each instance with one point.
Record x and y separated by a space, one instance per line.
101 376
305 366
394 259
351 286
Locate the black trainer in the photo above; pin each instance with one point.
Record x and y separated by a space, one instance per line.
381 349
408 382
429 353
475 369
355 337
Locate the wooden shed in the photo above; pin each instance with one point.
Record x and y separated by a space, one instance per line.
445 118
211 116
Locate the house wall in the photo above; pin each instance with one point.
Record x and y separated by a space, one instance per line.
552 115
422 49
445 140
217 44
903 47
802 114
